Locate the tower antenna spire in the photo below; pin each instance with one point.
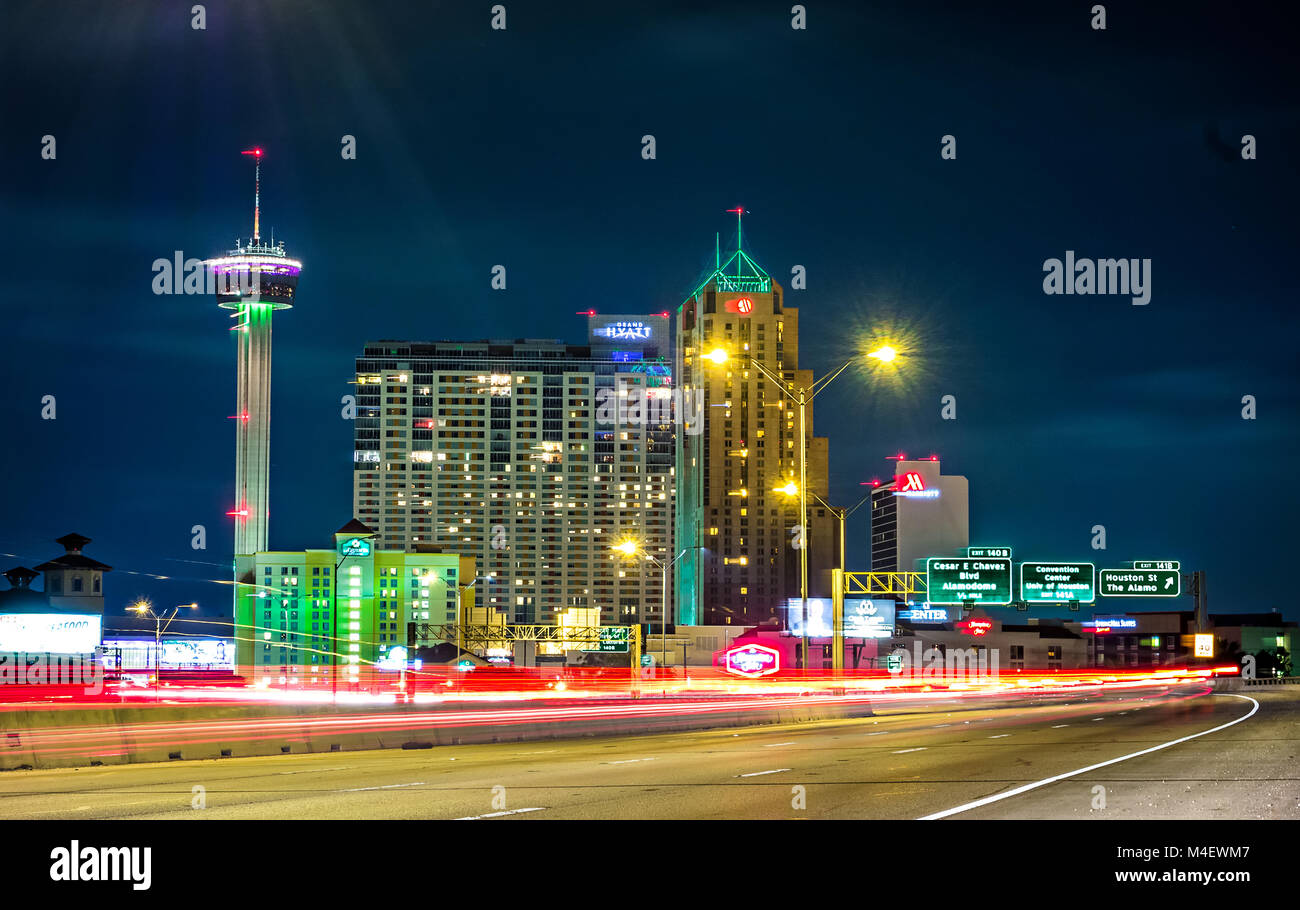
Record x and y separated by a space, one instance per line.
257 191
740 235
740 231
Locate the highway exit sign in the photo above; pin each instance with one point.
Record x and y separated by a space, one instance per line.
996 552
1140 583
1058 582
615 639
961 579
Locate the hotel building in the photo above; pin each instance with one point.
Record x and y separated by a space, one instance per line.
534 457
738 564
350 604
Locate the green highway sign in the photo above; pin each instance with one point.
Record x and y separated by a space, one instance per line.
1058 582
1157 564
958 579
1140 583
993 552
615 639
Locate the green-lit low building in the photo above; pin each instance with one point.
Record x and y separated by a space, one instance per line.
298 612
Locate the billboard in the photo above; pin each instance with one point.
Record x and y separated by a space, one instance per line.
52 633
819 617
862 618
868 619
177 654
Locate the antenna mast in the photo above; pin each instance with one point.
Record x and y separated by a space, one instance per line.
257 192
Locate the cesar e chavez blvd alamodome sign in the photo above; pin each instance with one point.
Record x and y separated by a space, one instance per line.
965 579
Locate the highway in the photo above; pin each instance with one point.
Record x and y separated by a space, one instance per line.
954 761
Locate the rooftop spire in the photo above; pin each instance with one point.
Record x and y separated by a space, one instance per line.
740 231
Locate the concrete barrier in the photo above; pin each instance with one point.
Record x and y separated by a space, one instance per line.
158 733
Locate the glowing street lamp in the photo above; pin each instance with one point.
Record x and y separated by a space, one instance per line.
142 607
884 354
627 548
632 548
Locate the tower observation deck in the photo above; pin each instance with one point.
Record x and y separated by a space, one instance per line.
253 281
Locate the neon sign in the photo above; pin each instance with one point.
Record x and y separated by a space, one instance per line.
930 615
912 485
975 626
751 661
1106 624
356 546
624 331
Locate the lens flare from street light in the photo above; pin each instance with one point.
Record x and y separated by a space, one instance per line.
885 354
627 547
717 355
790 489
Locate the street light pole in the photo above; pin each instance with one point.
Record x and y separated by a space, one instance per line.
885 354
631 548
144 608
803 523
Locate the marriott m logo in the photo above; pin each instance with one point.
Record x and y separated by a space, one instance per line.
911 482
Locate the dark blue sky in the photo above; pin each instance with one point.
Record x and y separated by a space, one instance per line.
522 147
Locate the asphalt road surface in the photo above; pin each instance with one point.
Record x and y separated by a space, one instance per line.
952 762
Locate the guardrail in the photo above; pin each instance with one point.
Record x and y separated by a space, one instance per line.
1273 681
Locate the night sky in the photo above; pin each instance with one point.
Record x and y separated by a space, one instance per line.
523 147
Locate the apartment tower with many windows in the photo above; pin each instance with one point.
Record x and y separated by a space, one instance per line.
533 456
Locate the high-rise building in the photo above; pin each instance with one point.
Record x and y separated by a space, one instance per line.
312 613
737 535
921 512
254 280
535 457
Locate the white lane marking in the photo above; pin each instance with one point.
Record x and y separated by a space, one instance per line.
761 773
770 745
1095 719
474 818
999 735
418 783
626 761
937 726
1051 780
881 733
1059 726
917 749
